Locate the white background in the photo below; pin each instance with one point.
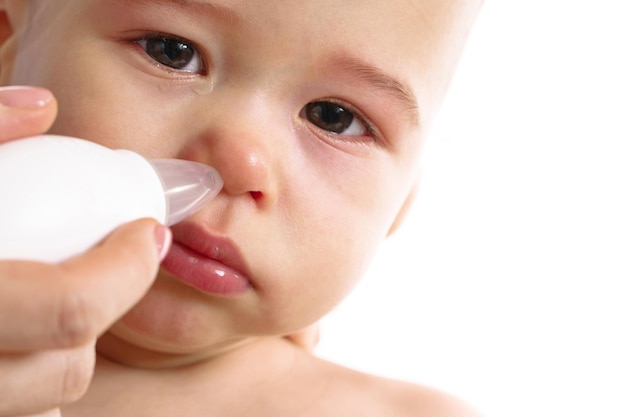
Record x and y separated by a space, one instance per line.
505 286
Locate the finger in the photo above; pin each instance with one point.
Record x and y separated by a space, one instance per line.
66 305
25 111
39 381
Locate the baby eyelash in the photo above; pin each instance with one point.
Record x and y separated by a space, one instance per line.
370 127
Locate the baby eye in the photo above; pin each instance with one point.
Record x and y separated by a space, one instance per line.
174 53
334 118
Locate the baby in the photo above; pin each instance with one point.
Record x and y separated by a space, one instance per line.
314 113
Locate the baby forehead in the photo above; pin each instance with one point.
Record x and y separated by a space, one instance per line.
375 15
399 25
415 21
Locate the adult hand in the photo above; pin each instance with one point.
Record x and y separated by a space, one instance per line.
51 315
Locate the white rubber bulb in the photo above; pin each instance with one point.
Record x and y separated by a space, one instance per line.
60 195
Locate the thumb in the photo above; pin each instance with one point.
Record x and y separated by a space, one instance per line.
121 269
73 302
25 111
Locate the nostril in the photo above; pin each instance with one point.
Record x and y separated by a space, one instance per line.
256 195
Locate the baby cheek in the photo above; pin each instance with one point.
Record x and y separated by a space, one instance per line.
111 121
340 245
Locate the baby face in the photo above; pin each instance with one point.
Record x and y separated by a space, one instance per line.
314 113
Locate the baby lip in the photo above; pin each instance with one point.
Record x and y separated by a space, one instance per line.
218 248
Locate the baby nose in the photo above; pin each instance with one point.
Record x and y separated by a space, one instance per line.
244 160
246 167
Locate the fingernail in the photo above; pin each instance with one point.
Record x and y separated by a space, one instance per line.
24 97
163 238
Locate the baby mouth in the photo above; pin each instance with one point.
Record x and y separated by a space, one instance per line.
207 262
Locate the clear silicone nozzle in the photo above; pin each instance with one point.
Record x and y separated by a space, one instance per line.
188 186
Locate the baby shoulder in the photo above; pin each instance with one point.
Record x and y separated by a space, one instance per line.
368 395
411 400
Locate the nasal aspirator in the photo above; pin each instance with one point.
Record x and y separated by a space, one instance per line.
60 196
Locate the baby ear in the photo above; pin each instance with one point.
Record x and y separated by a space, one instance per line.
5 25
12 15
403 210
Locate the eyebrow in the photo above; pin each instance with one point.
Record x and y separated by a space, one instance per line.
200 6
380 80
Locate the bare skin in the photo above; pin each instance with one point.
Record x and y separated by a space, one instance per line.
315 116
287 382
